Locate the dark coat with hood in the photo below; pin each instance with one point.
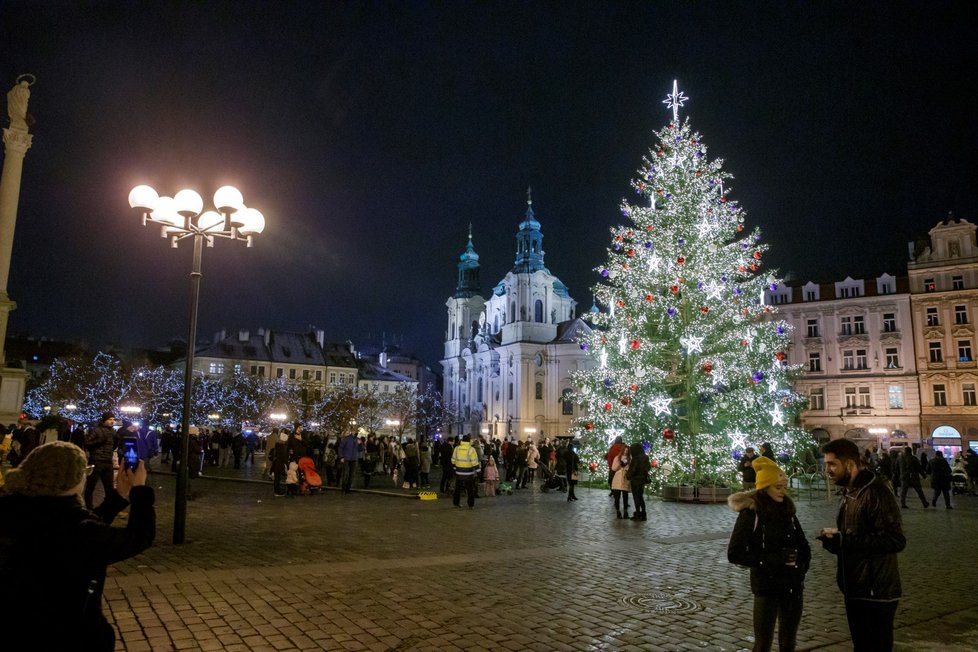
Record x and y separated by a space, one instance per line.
764 531
870 536
53 558
101 443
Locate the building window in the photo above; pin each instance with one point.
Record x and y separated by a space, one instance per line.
861 359
279 372
319 374
237 369
814 361
317 394
512 312
892 358
936 355
816 399
845 326
968 394
932 319
850 397
940 395
810 295
848 360
812 328
332 378
864 397
254 370
292 374
960 314
964 350
859 325
511 391
929 285
566 402
538 391
889 322
215 368
479 392
305 374
957 282
895 396
261 372
538 311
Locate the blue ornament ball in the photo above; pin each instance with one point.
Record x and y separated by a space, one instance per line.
779 330
738 291
607 382
648 245
583 346
758 376
773 286
604 273
682 241
700 286
723 279
671 312
617 247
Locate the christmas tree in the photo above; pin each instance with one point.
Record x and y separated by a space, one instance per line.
687 357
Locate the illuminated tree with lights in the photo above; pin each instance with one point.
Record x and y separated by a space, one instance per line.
688 357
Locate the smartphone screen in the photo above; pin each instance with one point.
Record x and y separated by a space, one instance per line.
129 458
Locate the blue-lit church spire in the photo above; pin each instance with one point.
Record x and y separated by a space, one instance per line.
529 241
468 272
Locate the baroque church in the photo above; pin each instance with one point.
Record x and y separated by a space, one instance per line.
509 357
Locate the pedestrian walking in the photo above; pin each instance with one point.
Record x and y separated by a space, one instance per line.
572 467
349 455
910 477
867 537
768 539
940 479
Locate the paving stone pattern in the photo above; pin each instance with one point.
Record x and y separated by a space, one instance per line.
524 572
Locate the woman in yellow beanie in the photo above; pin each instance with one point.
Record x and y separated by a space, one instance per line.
769 540
54 552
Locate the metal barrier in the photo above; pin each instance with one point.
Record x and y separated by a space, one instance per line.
814 482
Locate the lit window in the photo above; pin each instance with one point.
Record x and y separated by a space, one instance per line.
816 399
864 397
850 394
929 285
215 368
895 395
892 358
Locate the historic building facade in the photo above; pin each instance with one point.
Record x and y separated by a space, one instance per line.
854 340
509 357
943 273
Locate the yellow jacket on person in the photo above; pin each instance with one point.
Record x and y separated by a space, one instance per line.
465 458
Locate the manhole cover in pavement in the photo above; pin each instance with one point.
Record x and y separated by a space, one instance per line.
660 603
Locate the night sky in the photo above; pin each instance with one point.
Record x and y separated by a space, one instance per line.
371 135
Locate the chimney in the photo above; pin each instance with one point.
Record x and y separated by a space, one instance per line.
220 335
268 336
383 359
321 337
243 336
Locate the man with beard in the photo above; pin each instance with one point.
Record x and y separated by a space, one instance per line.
867 537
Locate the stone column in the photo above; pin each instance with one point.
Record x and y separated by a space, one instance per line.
16 141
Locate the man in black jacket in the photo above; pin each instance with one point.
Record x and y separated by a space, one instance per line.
867 537
101 443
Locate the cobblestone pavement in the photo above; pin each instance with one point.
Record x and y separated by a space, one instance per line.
524 572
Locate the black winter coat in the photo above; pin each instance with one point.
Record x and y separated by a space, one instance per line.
940 474
760 540
870 536
101 443
53 558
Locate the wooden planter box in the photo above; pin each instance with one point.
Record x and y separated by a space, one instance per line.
691 494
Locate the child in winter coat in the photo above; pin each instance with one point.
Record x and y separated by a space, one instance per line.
491 474
769 540
292 479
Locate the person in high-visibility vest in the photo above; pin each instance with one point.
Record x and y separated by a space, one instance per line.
465 459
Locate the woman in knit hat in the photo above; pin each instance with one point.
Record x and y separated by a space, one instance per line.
769 540
54 552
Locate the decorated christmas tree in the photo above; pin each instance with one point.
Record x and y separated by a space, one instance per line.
688 359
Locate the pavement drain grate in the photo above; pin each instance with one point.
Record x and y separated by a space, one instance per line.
660 603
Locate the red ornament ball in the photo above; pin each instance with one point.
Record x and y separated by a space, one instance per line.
655 463
618 238
629 234
648 228
607 407
779 356
631 252
740 227
635 344
681 260
626 401
723 200
708 367
674 289
589 427
620 303
757 255
741 268
634 387
668 434
743 342
704 310
649 298
624 266
753 268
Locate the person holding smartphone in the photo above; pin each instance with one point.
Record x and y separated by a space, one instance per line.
54 551
768 539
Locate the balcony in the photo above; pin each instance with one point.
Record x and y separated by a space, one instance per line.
853 411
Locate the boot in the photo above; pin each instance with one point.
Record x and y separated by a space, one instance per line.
643 518
626 513
617 512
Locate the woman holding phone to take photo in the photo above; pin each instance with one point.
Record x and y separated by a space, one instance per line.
769 540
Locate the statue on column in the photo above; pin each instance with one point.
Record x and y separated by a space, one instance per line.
17 104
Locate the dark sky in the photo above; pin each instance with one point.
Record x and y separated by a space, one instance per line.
371 134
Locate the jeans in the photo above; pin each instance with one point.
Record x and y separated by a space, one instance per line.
468 481
349 470
871 625
101 472
770 609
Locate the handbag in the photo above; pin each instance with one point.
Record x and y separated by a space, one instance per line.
574 476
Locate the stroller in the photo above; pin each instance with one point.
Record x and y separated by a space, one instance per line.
959 482
309 480
550 479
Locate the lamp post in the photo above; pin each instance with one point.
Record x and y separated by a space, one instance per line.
181 217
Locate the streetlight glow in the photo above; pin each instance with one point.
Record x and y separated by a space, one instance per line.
180 217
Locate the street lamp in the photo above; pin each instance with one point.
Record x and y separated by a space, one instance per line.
181 217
